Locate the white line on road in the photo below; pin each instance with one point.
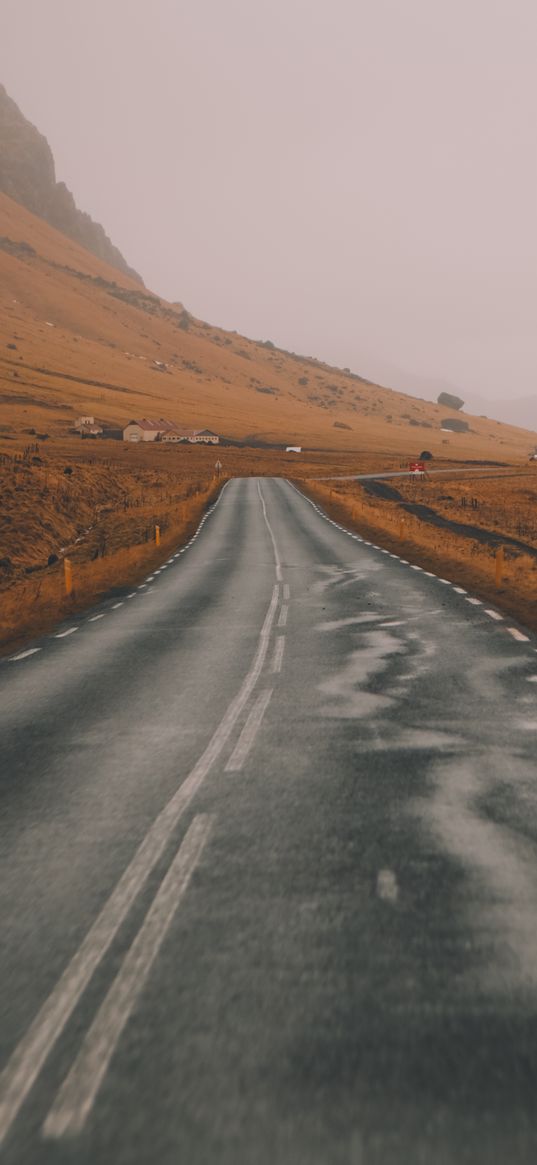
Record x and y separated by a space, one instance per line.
31 1052
76 1097
24 654
387 887
132 595
94 618
283 615
493 614
64 634
286 592
116 605
474 602
277 658
532 679
271 532
518 635
460 590
249 733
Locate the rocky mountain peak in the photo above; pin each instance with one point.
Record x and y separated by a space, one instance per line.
28 176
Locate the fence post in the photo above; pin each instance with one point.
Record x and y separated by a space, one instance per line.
499 566
157 535
68 576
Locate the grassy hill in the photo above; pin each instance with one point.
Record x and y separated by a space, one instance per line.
77 336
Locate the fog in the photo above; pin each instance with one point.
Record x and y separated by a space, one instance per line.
352 179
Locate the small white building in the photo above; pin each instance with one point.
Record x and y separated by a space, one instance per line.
81 422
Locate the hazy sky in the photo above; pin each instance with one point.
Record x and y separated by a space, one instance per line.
353 179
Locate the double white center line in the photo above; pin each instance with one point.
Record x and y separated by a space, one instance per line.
31 1053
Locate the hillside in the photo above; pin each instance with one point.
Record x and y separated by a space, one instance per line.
78 336
27 174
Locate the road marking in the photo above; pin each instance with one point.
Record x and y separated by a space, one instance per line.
387 887
446 581
493 614
532 679
132 595
77 1094
249 733
518 635
64 634
460 590
474 602
31 1052
141 586
94 618
277 658
429 574
116 605
414 567
404 561
286 592
24 654
283 615
271 532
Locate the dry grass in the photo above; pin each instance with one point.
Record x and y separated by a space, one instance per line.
462 559
31 606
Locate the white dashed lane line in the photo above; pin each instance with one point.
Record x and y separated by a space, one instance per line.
474 602
493 614
64 634
24 654
518 635
283 615
460 590
94 618
116 605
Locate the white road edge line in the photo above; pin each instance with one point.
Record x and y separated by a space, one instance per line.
116 605
27 1059
277 658
64 634
249 732
283 615
493 614
474 602
24 654
518 635
77 1094
94 618
286 592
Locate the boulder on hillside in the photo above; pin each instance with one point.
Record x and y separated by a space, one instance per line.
448 400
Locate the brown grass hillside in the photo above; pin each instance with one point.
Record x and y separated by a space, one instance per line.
78 336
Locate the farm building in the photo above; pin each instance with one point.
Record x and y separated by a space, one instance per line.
162 430
147 429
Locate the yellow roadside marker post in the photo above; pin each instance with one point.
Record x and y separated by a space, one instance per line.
157 535
68 576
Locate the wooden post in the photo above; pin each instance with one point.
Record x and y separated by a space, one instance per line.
499 566
157 535
68 576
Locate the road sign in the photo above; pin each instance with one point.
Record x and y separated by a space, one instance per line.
417 467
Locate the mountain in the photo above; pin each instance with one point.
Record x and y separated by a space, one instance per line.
79 337
27 174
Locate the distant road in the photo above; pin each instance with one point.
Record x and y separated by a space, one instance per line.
268 863
480 469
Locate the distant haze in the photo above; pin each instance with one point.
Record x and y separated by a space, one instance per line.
353 179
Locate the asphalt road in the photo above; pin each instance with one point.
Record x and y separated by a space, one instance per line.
268 863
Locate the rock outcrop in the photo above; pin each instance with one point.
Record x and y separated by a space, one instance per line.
448 400
27 175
